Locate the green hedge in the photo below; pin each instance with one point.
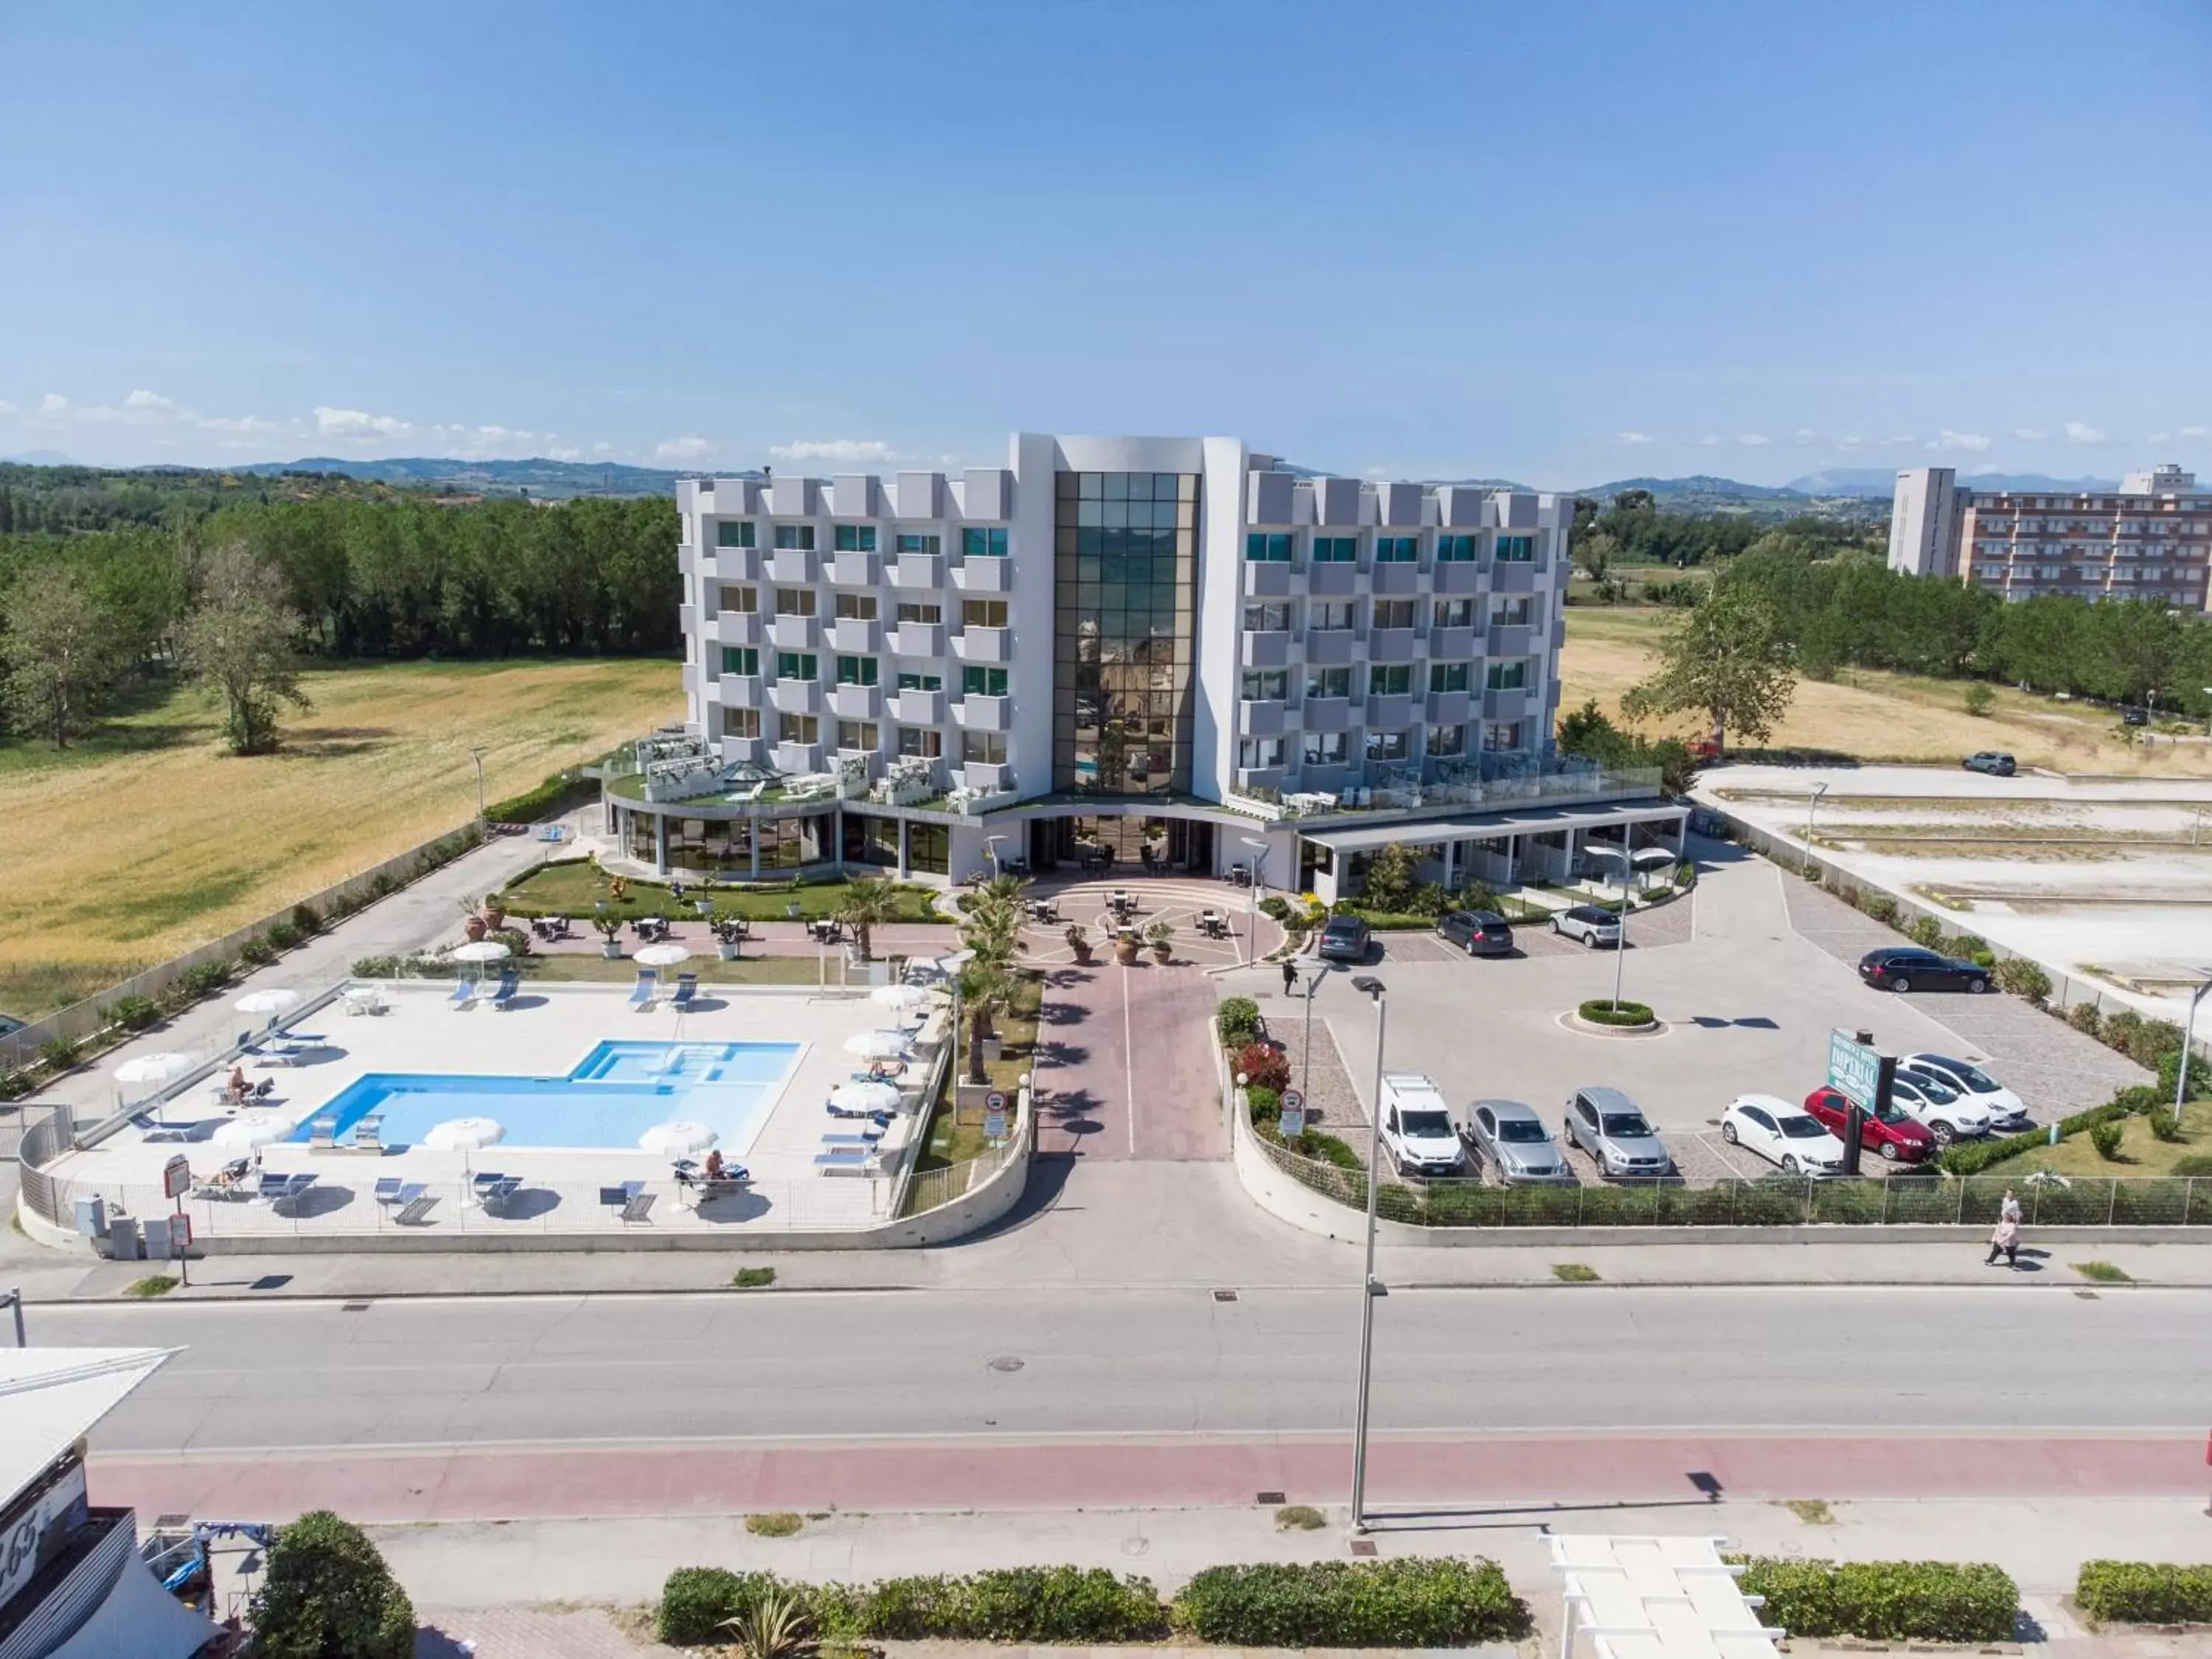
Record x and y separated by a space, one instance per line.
557 794
1410 1604
1075 1606
1240 1021
1603 1010
1886 1600
2144 1593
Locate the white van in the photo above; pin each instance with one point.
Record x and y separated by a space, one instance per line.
1417 1127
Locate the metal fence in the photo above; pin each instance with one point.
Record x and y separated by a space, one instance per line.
931 1189
1774 1202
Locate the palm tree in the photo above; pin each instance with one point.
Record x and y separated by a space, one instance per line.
987 986
867 903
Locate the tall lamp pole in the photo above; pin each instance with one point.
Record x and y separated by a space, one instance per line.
1252 891
1305 1055
1375 989
478 755
1819 790
1621 943
2188 1037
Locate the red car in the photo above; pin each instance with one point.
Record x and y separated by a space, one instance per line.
1897 1137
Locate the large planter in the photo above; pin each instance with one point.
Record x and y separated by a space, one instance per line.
1082 955
1163 954
474 927
727 949
494 916
1125 951
612 950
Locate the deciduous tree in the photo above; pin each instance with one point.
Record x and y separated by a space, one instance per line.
1728 661
62 651
242 639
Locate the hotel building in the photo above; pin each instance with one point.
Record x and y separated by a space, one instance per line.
1171 647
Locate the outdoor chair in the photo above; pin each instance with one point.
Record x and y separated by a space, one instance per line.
465 995
278 1190
389 1188
619 1198
492 1191
415 1204
509 983
648 984
687 991
639 1208
368 1134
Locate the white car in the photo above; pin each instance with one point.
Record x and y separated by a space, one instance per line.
1788 1137
1418 1128
2006 1110
1948 1115
1590 923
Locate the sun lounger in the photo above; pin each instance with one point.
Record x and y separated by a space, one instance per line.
415 1207
278 1190
862 1162
492 1191
154 1129
389 1188
866 1137
687 991
465 995
322 1133
647 987
368 1134
268 1054
619 1198
509 983
639 1208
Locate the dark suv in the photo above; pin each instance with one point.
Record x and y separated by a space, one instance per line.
1478 932
1345 939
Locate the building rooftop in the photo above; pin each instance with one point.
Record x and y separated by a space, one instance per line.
50 1398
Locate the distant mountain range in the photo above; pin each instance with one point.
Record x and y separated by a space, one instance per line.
1881 480
548 478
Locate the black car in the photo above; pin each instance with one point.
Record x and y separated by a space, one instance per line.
1991 761
1345 939
1478 932
2135 717
1908 967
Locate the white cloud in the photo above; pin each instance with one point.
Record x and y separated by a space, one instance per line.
1806 434
2197 432
2159 438
53 404
1709 440
358 423
2081 432
2031 434
1752 439
680 449
6 407
1849 440
1632 438
152 400
244 425
833 449
1973 443
606 449
1906 439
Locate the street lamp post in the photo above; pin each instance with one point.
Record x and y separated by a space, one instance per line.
1620 943
1375 989
1252 910
2188 1037
1305 1054
1813 801
478 755
991 846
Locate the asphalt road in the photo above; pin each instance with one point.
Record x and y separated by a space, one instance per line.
849 1369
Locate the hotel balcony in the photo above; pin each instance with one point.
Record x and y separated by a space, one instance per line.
983 645
1332 647
1262 718
1391 644
1457 576
918 570
990 777
1394 579
977 712
1450 708
917 639
795 696
1451 644
738 691
1332 581
913 707
1325 714
734 628
986 573
795 633
1390 710
856 702
856 636
850 568
794 567
1510 640
1267 648
1266 578
797 759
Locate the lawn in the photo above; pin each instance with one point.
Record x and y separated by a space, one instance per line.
2142 1152
954 1143
1872 713
577 886
150 838
573 968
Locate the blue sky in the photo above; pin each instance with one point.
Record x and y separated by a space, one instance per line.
1560 244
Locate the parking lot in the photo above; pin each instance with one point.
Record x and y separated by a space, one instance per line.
1749 977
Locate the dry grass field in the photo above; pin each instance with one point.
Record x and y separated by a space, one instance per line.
151 838
1876 716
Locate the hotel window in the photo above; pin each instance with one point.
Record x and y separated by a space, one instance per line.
1328 683
983 544
1394 613
921 682
987 747
733 533
920 610
741 722
1447 676
920 742
1266 618
1446 741
1336 550
857 671
1516 550
1322 748
1397 549
976 681
743 601
1267 685
1332 616
1254 753
1455 550
983 613
1500 735
856 538
1268 548
794 601
795 665
1509 613
1454 613
915 542
740 659
798 536
799 728
1390 679
1507 676
857 734
1386 746
856 607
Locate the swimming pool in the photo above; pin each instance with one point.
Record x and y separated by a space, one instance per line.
607 1099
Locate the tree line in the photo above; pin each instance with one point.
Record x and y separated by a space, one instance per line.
1631 529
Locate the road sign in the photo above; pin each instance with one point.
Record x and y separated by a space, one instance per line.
1292 1124
1293 1101
176 1177
995 1101
181 1234
1854 1069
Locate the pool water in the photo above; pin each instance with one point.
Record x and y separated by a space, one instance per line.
607 1099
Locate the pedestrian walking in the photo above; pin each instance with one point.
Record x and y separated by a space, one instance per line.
1290 976
2004 1240
2009 1210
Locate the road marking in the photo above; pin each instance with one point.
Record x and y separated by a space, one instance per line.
1128 1064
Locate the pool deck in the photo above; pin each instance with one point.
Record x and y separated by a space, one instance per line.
546 1032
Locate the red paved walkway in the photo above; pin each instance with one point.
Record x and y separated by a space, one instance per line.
521 1484
1127 1068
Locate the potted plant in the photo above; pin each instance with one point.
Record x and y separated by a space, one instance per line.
1161 936
609 930
495 911
474 924
1079 940
1125 946
729 934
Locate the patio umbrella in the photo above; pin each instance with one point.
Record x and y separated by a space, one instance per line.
154 1068
865 1097
661 956
900 999
483 950
678 1138
876 1045
464 1134
275 1001
255 1128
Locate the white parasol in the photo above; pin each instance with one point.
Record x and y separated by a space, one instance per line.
274 1002
255 1128
482 950
661 956
900 999
877 1045
154 1068
464 1134
865 1097
679 1138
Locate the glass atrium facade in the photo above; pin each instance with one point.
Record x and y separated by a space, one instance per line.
1127 544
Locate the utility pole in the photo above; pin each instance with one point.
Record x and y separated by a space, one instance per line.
13 1299
1368 1288
478 755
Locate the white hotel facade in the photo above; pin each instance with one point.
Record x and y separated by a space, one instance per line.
1165 644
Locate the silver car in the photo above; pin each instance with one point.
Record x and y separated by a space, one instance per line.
1514 1139
1610 1127
1590 923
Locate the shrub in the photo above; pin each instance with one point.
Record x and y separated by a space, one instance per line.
380 885
777 1524
2120 1027
14 1086
1967 947
695 1602
1409 1603
1263 1067
327 1591
257 951
1978 698
2144 1593
1275 908
2023 979
1886 1600
304 918
1927 931
133 1013
203 979
2152 1039
1882 909
1266 1104
2164 1125
1431 898
60 1052
283 935
2106 1138
753 1279
1603 1010
1240 1021
2197 1164
549 799
1056 1605
2083 1018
